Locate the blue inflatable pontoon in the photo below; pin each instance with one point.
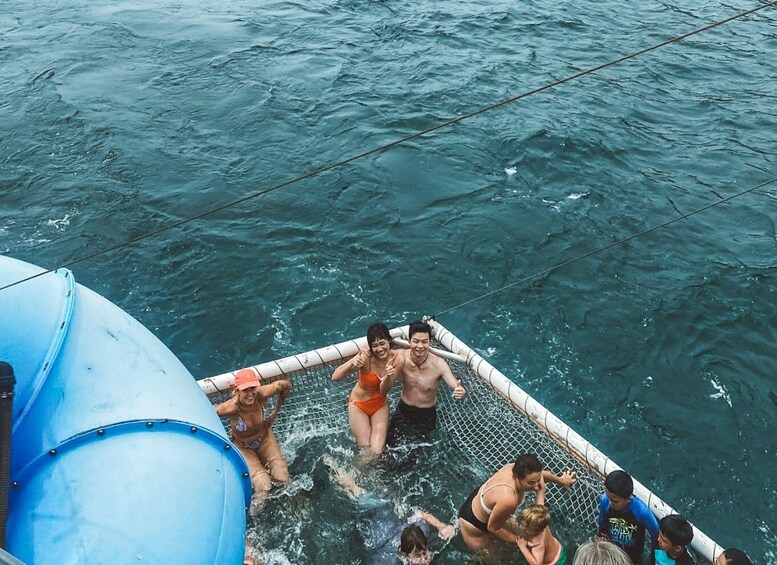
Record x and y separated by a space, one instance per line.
117 455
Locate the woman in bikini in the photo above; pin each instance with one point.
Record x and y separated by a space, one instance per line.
251 429
484 516
368 410
536 541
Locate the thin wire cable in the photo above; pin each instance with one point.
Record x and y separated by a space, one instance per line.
387 146
606 247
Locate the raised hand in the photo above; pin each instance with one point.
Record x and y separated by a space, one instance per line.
447 532
568 479
458 391
390 370
359 360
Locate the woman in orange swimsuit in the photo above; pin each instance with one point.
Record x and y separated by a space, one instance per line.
368 410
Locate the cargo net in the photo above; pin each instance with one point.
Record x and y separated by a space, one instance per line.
484 429
475 437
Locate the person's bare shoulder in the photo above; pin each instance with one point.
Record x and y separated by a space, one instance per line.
440 364
227 408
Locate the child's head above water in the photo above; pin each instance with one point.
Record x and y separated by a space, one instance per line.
414 547
534 519
619 486
733 556
674 533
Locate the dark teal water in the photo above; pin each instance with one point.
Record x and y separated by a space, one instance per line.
117 118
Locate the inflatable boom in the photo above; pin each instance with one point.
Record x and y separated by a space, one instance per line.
117 456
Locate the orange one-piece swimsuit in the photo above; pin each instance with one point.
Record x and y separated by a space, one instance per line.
376 401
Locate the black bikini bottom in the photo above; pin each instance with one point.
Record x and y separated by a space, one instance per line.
467 514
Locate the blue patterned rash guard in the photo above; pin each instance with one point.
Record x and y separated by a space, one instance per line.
627 527
660 557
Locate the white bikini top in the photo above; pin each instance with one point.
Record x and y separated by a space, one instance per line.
482 493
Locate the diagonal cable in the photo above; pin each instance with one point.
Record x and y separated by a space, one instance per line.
389 145
606 247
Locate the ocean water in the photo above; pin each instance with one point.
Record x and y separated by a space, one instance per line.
118 118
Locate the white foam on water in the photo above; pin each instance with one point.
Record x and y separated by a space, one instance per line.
281 327
61 223
511 171
771 542
577 195
303 482
274 557
32 242
722 392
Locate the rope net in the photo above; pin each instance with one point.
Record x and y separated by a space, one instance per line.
484 431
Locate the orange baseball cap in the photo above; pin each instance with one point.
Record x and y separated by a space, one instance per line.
245 378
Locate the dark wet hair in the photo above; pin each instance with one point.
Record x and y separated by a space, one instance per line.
413 539
419 327
736 556
619 483
377 331
526 464
676 529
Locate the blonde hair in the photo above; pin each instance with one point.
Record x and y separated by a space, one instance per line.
600 552
534 519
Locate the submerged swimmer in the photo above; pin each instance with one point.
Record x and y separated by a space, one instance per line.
384 531
251 430
368 409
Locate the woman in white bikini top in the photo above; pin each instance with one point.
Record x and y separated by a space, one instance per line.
483 521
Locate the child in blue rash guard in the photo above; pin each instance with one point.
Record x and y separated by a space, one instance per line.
674 534
623 518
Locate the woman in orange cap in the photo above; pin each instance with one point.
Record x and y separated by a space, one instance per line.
368 409
251 429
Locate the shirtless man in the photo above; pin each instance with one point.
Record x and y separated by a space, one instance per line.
416 414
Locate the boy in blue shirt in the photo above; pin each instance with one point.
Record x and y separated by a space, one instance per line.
674 534
624 518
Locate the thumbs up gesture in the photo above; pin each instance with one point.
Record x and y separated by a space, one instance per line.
458 391
358 361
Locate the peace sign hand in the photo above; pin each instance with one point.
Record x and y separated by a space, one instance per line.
390 370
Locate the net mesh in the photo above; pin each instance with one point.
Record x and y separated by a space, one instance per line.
484 429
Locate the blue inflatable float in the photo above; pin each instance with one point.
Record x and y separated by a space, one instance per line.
117 455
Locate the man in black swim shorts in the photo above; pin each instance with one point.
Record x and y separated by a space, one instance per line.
416 414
